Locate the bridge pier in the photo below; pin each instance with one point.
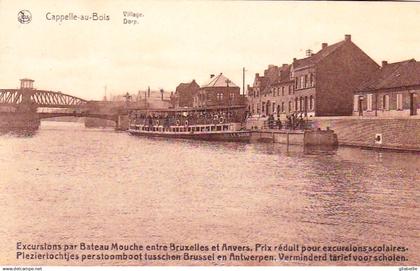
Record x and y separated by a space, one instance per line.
19 122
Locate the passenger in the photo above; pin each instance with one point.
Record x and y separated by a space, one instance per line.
150 121
301 122
279 124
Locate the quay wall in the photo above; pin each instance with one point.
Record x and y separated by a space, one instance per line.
382 133
273 136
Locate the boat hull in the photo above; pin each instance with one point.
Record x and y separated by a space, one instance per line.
227 136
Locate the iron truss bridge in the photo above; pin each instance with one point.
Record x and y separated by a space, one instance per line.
40 98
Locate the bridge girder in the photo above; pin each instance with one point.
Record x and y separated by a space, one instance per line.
40 98
80 115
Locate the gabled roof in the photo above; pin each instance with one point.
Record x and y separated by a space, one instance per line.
264 81
315 58
219 81
185 86
394 75
282 76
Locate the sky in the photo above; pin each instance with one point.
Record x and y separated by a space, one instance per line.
178 41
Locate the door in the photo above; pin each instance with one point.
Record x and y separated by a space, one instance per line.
413 104
360 106
267 109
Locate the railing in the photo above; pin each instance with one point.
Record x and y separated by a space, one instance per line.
182 121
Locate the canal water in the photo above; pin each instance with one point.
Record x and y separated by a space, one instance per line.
70 184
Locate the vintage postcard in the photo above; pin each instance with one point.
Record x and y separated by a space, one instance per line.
209 133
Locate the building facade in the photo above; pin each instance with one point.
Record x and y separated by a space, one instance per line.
393 91
219 91
184 94
321 84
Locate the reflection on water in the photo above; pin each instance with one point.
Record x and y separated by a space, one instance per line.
18 132
71 184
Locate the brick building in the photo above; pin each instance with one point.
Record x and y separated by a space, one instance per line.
184 94
321 84
392 91
219 91
273 92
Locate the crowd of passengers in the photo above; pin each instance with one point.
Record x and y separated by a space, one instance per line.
191 118
293 121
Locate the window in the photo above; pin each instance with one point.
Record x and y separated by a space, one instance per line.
282 106
306 81
302 81
311 79
263 107
356 103
290 106
232 96
399 101
220 96
385 102
311 102
274 108
282 91
296 104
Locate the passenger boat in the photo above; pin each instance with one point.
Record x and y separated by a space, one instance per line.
211 123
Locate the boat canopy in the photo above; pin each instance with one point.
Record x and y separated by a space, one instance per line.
190 109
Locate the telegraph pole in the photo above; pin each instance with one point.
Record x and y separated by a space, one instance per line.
243 81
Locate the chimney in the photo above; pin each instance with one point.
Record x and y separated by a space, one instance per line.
161 94
294 59
347 37
324 45
284 65
211 75
257 75
384 63
148 92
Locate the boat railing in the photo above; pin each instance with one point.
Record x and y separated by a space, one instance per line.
183 121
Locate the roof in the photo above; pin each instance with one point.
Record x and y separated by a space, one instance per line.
185 86
394 75
282 76
315 58
264 81
219 81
